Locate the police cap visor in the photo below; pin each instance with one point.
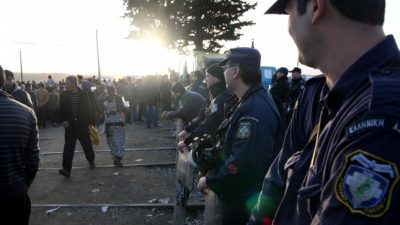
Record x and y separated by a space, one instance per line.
278 7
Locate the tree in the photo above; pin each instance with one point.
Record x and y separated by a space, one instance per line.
203 24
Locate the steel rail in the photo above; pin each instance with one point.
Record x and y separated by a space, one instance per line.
133 205
125 165
107 150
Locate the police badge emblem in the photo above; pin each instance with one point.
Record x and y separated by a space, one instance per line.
365 183
213 107
244 130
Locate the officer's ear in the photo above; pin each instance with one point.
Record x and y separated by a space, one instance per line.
237 72
318 9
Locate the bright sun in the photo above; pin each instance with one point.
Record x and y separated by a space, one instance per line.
146 57
154 58
67 45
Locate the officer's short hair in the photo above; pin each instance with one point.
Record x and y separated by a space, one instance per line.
369 12
364 11
250 76
198 74
178 88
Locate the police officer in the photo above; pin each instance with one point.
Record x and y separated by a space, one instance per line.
352 177
295 87
280 91
286 174
197 85
190 105
250 138
214 114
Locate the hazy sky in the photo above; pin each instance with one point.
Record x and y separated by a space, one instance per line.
59 36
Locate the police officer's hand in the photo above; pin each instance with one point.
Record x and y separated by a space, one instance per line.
182 134
181 146
65 124
201 186
164 115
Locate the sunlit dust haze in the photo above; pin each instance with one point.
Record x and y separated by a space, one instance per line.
60 37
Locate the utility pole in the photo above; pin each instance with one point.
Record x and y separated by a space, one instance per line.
20 55
98 57
20 64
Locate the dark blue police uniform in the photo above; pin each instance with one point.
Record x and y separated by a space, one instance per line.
214 114
352 177
190 106
285 176
199 87
354 174
250 143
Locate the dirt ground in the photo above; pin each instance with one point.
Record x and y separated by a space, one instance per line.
105 195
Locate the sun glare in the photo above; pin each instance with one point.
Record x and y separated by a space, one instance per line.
59 37
139 58
154 58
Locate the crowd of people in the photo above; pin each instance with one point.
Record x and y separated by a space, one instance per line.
143 97
321 151
75 103
139 94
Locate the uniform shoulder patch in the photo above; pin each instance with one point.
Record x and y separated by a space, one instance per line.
213 107
244 130
365 183
181 104
396 127
367 124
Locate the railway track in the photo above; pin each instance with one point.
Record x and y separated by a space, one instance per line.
128 205
124 195
127 149
125 165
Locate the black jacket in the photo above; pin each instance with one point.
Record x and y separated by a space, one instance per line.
190 106
199 87
280 91
85 115
295 87
21 96
214 114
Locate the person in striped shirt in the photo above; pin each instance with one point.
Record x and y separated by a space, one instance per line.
19 157
76 116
